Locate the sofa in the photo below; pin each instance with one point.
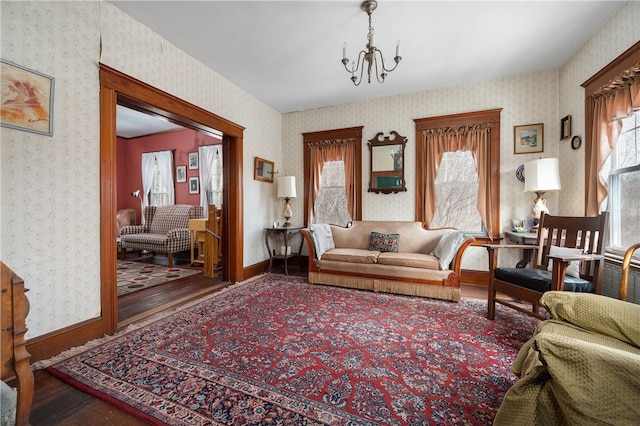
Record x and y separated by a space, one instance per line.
399 257
165 230
581 367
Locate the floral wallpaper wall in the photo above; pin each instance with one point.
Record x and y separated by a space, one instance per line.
51 185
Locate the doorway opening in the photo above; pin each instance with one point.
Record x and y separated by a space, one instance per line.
117 88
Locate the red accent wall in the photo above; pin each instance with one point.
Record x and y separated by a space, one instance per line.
129 163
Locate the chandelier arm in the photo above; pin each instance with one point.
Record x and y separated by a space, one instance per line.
357 80
396 59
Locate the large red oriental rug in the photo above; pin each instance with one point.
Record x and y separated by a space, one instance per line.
277 350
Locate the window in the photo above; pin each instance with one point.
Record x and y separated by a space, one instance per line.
457 194
158 195
623 171
211 176
458 172
332 156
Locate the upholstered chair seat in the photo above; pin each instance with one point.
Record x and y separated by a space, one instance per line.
539 280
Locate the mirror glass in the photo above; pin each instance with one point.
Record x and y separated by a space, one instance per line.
387 163
263 170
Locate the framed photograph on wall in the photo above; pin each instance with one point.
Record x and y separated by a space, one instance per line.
528 138
27 99
181 174
193 161
194 185
565 127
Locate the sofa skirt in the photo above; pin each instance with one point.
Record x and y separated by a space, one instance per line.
387 286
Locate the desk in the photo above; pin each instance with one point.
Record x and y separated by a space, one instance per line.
276 253
196 229
525 238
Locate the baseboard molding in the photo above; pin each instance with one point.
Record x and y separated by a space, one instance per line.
50 344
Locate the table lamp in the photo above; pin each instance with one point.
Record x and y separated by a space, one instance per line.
287 190
541 176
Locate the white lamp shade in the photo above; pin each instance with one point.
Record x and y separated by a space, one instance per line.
286 187
542 175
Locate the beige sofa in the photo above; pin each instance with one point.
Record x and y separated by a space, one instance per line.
363 256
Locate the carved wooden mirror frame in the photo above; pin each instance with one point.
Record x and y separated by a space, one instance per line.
386 163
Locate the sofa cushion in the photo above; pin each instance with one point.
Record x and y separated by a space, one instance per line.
574 267
322 238
448 247
384 242
351 255
414 260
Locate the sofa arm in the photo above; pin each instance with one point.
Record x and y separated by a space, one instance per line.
456 263
311 249
134 229
178 234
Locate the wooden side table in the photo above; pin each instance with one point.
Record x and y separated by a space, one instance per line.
276 253
524 238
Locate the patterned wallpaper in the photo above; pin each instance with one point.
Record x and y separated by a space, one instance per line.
50 185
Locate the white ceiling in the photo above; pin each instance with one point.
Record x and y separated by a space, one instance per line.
288 53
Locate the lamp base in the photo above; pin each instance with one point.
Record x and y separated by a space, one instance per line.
287 213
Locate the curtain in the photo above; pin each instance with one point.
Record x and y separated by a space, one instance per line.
434 143
165 164
331 150
614 101
210 176
148 166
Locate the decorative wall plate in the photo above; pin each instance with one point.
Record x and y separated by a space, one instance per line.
576 142
520 173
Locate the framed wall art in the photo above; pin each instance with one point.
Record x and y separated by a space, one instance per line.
565 127
194 185
528 138
193 161
27 99
181 174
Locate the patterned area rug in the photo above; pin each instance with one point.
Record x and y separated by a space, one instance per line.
276 350
136 276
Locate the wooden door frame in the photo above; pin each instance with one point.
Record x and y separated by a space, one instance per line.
114 86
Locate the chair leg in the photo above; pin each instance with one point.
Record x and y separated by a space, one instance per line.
170 261
491 300
123 253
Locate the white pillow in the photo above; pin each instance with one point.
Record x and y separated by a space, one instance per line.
447 248
574 267
322 238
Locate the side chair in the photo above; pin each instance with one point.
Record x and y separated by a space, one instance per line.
568 256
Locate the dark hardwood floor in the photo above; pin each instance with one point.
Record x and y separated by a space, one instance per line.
56 403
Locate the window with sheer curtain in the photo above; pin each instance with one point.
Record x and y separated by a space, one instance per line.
333 176
157 178
612 158
458 172
210 176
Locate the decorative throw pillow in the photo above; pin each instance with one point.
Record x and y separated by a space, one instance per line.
384 242
322 238
574 267
447 248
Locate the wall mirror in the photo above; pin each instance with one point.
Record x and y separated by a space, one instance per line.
386 154
263 170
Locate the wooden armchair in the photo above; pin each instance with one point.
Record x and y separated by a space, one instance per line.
569 257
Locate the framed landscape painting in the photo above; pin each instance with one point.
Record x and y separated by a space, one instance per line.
528 138
27 99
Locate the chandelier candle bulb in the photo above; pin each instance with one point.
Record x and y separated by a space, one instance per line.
398 47
344 51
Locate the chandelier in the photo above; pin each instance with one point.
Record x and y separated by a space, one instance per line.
371 55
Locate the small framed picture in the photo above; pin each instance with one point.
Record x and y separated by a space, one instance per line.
27 99
181 174
193 161
528 138
194 185
565 127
